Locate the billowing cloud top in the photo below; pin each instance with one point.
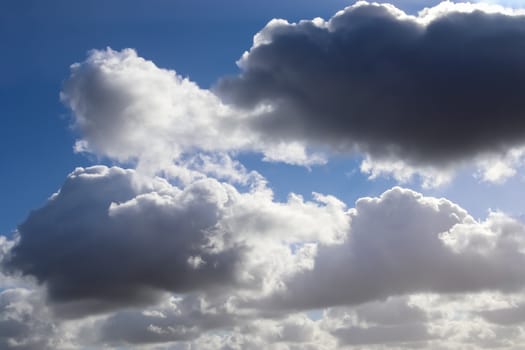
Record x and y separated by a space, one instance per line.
430 90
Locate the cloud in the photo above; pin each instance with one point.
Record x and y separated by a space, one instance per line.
25 322
175 319
382 335
431 91
111 238
505 316
101 238
390 321
128 109
518 4
190 250
415 96
209 267
404 243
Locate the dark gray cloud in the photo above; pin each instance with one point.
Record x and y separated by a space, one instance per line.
106 240
430 90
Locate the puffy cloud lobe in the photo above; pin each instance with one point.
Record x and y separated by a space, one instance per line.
128 109
101 238
405 243
430 90
111 238
120 101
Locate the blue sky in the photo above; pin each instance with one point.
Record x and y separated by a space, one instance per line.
234 172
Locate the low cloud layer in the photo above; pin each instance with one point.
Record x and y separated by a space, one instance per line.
154 264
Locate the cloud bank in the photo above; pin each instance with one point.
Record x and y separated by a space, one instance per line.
157 264
188 249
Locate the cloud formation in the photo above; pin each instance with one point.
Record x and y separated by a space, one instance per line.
432 90
190 249
128 109
110 238
413 95
404 243
161 264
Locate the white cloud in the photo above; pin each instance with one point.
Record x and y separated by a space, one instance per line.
405 243
405 173
128 109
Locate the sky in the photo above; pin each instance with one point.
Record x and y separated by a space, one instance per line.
282 175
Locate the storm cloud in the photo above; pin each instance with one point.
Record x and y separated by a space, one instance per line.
431 90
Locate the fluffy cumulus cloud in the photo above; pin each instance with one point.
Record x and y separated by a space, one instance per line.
404 243
430 90
110 238
126 108
208 266
189 249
